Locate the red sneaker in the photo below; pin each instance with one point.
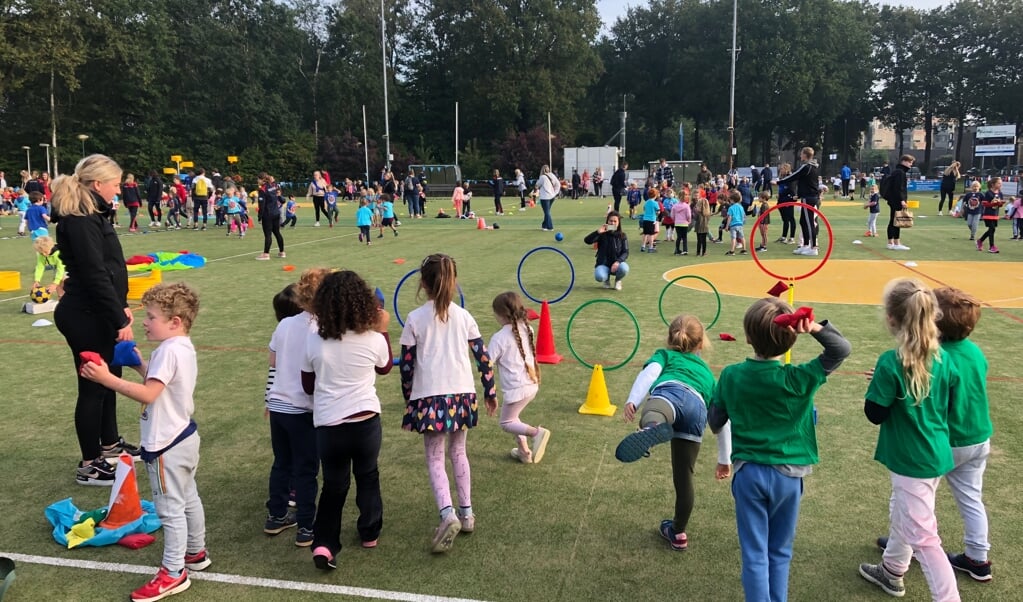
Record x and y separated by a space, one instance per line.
161 586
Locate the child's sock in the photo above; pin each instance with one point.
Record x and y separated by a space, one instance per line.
464 511
446 511
174 574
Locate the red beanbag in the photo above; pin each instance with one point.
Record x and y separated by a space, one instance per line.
90 356
136 540
786 320
724 336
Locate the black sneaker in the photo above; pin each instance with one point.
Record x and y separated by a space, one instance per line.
636 445
122 446
323 559
304 537
97 473
277 524
882 543
979 571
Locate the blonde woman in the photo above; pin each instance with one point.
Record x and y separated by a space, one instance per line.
317 191
948 186
520 184
93 314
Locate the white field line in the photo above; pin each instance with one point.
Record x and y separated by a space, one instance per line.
586 511
298 586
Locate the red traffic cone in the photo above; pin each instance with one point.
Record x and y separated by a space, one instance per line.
545 352
125 506
481 224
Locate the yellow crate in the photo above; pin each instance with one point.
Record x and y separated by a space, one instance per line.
913 204
138 285
10 281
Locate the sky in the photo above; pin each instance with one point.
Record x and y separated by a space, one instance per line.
612 9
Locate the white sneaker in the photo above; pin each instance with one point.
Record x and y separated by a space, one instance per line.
618 285
900 248
317 224
811 251
891 247
940 213
798 251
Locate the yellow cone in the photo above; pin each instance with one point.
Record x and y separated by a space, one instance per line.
598 402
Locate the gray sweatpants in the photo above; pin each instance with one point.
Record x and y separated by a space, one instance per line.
172 477
971 222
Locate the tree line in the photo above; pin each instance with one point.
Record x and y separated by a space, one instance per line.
282 84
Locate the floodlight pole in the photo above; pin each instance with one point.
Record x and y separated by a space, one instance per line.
365 142
456 133
550 152
387 124
731 96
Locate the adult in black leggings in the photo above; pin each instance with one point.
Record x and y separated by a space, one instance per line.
808 225
270 215
317 190
154 195
948 186
93 314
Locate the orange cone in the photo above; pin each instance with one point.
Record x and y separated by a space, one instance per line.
251 223
598 402
545 352
125 506
481 224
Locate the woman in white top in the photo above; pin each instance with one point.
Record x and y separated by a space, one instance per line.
520 183
548 187
317 190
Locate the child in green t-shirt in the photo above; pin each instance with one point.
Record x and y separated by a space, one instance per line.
677 386
774 442
909 396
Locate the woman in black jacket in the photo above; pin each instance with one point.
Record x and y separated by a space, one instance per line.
270 202
948 186
154 194
93 314
612 251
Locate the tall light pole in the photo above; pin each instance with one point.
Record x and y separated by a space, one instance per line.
28 158
731 96
387 124
46 145
83 138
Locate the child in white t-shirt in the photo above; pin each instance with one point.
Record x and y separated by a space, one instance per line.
290 411
170 441
339 366
440 397
520 376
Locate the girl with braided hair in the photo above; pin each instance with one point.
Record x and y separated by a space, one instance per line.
519 374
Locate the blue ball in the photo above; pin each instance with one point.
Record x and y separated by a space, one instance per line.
559 237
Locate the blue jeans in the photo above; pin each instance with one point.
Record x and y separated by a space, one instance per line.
602 273
296 464
690 410
546 205
766 512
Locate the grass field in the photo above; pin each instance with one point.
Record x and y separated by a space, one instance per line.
578 526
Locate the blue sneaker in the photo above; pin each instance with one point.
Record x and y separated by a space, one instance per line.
637 445
679 542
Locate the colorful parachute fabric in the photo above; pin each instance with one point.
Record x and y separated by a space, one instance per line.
73 528
165 261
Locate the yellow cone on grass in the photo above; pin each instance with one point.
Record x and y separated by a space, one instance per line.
598 402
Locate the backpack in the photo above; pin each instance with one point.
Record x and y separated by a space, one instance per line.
200 188
887 189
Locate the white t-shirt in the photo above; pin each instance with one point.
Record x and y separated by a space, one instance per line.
442 350
173 363
289 344
345 375
504 353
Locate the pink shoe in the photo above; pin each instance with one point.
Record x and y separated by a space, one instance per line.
980 246
993 249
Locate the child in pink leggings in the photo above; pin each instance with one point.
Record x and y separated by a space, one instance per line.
440 397
513 350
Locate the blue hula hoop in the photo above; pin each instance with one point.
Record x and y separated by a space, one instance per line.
570 267
397 314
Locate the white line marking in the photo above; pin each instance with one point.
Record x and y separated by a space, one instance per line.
586 511
299 586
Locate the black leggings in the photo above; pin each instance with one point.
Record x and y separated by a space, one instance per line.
319 207
950 194
616 193
893 232
155 214
989 236
682 235
199 204
788 222
272 225
133 212
498 208
96 406
808 222
683 465
701 243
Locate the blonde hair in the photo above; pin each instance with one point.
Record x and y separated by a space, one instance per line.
913 312
975 187
305 288
784 169
509 307
43 245
806 151
129 178
72 195
952 168
174 299
687 335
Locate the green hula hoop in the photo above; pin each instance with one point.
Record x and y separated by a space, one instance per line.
717 295
568 333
